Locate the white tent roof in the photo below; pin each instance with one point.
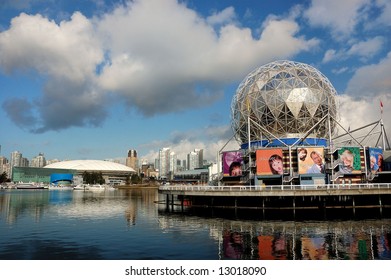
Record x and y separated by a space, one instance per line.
91 165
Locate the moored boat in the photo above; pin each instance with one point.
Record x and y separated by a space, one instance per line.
80 187
30 186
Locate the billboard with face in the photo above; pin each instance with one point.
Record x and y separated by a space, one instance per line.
350 161
311 160
375 160
232 163
269 162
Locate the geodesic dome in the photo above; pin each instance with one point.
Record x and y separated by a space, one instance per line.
283 99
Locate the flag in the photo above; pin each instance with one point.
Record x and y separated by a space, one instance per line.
381 107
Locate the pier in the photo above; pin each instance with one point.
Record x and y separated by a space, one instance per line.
281 197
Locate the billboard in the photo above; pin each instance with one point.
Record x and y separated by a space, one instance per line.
350 161
269 162
232 163
311 160
375 160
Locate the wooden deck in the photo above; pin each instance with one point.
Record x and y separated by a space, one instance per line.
283 197
283 190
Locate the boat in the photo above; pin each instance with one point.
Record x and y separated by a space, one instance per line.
99 187
30 186
61 187
80 187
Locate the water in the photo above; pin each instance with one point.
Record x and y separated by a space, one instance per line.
130 225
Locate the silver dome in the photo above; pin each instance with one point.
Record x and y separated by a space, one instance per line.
283 99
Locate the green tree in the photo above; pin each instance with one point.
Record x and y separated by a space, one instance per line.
3 177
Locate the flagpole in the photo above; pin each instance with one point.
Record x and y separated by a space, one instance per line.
249 138
382 126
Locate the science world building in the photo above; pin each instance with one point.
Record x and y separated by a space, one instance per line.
284 115
294 154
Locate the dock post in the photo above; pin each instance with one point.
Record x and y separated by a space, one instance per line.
294 206
236 207
354 207
380 206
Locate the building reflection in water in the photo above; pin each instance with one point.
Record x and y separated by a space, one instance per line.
307 242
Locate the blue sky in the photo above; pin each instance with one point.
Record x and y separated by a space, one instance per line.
91 79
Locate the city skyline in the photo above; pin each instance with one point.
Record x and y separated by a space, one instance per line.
75 84
42 160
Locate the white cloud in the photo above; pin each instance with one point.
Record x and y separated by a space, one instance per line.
177 52
340 70
341 17
372 80
330 55
385 16
154 56
364 50
367 49
66 50
210 139
360 105
225 16
360 113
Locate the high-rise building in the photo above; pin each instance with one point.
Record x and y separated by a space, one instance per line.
38 161
164 162
4 166
195 159
173 163
17 160
132 160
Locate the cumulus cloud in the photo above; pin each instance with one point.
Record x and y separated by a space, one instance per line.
153 56
225 16
211 139
341 17
367 48
363 50
371 80
366 112
385 14
67 55
369 86
67 50
179 56
20 111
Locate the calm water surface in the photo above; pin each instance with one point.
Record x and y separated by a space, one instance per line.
130 224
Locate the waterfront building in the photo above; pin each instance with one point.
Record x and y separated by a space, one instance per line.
285 119
199 176
112 173
294 154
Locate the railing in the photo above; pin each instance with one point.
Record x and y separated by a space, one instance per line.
274 187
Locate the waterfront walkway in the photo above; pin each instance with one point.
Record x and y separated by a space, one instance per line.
277 190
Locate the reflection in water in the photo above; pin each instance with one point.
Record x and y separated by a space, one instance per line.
128 224
308 241
281 240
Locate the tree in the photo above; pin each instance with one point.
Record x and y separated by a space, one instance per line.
93 178
3 177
